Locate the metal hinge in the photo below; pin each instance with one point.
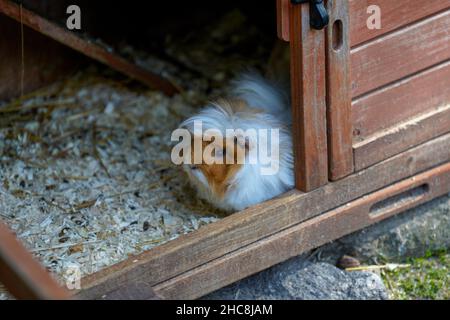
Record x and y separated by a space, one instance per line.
318 15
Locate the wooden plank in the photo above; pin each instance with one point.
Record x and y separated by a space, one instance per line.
308 235
404 136
400 54
339 121
283 19
308 92
253 224
394 15
24 277
40 53
401 101
132 291
90 49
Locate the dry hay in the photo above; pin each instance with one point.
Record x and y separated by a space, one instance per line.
85 173
86 177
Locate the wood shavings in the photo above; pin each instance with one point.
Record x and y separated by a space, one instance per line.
85 174
89 207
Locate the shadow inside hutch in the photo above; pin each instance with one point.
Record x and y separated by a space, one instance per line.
85 171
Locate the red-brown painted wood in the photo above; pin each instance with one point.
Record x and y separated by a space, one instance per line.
400 54
402 137
339 121
24 277
308 90
283 19
92 50
394 15
259 222
401 101
308 235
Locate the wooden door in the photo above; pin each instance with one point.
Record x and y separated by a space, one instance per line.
400 77
363 92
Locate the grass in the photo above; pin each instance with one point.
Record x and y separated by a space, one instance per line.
427 278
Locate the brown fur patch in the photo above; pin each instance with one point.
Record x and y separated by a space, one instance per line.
234 105
220 175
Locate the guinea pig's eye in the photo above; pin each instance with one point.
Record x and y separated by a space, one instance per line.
193 167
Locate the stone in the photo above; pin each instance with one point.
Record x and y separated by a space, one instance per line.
301 280
324 281
407 235
314 276
346 261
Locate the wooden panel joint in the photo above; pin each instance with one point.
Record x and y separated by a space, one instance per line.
308 91
339 99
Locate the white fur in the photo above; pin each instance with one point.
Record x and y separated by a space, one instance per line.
249 186
263 94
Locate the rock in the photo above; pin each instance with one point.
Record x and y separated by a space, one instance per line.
407 235
324 281
346 261
301 280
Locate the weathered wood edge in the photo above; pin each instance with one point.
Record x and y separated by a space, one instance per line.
283 19
402 137
401 101
256 223
339 98
92 50
303 237
394 14
400 54
22 275
308 95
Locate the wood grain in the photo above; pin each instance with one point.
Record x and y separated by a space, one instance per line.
40 53
394 15
308 90
23 276
339 110
259 222
401 101
283 19
402 137
307 235
400 54
88 48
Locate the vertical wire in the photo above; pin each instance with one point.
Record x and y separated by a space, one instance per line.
22 45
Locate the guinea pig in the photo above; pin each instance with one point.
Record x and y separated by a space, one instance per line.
244 144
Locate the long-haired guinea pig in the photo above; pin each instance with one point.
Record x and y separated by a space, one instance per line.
234 171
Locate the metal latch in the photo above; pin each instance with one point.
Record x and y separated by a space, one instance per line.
318 16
